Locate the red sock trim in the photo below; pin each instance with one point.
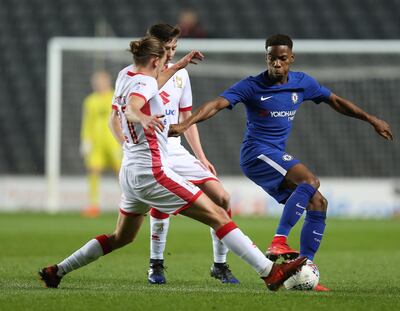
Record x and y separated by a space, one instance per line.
225 229
157 214
104 243
279 239
229 211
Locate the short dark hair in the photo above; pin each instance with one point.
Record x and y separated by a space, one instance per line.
164 32
279 39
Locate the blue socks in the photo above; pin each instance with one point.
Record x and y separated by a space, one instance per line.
294 208
312 232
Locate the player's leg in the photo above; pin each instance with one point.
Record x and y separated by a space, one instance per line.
304 197
219 269
302 184
95 164
190 168
314 223
205 211
268 170
159 225
125 232
314 226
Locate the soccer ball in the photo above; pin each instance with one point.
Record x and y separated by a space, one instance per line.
306 279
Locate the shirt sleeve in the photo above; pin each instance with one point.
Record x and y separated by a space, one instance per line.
315 91
239 92
145 88
186 100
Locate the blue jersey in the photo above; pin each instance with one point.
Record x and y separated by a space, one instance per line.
271 108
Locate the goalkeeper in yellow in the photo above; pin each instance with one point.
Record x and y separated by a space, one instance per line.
98 147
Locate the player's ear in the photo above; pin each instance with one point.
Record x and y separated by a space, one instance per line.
292 57
156 62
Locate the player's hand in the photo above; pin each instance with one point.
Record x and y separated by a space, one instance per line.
208 166
153 122
175 130
382 128
194 57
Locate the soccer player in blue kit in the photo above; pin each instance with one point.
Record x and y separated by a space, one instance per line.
271 100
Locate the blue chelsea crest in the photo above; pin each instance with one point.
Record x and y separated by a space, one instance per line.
295 98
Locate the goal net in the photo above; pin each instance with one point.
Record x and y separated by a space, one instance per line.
331 145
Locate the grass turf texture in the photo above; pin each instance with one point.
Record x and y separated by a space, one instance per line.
359 260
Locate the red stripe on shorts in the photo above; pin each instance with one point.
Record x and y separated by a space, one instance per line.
157 214
188 204
158 172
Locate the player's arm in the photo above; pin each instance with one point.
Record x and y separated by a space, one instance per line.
115 127
134 114
204 112
350 109
193 138
191 58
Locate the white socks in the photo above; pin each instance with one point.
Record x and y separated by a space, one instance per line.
158 237
219 249
242 246
86 254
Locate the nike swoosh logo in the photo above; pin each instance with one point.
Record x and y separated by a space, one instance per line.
317 233
299 206
265 98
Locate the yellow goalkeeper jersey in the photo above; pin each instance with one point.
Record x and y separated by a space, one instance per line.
96 113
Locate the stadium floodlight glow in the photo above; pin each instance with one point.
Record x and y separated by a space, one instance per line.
59 45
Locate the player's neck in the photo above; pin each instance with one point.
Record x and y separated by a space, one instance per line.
146 70
276 80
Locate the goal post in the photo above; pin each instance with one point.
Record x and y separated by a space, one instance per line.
246 56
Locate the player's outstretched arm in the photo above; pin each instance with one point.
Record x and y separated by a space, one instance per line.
193 138
194 57
115 127
350 109
204 112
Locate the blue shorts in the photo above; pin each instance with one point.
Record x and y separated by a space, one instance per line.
267 167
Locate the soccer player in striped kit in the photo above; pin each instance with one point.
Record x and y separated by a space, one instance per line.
146 179
271 99
176 95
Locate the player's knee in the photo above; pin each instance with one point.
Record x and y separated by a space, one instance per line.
313 181
318 203
324 204
224 200
220 219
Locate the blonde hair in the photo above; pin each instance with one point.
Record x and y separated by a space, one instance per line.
146 48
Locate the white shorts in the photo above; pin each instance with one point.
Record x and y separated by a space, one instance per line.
159 187
186 165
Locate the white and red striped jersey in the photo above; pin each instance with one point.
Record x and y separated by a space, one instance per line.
140 148
176 96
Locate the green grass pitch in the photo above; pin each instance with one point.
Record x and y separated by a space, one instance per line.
359 260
